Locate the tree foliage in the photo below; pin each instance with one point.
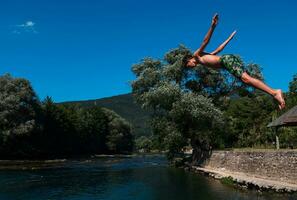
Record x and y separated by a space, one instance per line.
18 103
33 129
119 138
144 144
19 108
186 102
201 106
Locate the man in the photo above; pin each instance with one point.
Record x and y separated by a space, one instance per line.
230 62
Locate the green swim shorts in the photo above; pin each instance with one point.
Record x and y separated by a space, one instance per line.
233 64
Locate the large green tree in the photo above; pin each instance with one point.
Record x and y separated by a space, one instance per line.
186 102
19 108
93 130
119 138
59 136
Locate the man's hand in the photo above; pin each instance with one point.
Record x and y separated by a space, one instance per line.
215 19
208 35
232 35
222 46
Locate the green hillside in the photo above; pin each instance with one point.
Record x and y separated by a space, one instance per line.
125 106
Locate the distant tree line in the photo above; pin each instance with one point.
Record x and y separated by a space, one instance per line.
33 129
204 108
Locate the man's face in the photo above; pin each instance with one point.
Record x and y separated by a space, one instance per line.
191 62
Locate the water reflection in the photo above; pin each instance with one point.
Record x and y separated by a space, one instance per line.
145 178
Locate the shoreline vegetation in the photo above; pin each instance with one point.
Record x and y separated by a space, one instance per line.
34 129
56 163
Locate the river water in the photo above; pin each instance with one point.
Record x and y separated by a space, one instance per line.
139 177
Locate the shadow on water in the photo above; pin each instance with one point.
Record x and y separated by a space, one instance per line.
140 177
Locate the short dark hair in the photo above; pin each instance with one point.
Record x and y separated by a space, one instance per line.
186 59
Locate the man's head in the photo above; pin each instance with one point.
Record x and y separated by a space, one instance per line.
190 61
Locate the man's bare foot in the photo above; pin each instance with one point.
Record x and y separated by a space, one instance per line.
279 97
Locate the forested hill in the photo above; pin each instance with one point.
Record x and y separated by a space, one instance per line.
125 106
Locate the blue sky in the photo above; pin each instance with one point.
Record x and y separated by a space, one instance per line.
84 49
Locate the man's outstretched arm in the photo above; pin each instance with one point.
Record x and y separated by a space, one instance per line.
208 35
223 45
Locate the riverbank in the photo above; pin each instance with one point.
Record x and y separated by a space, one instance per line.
260 169
59 163
140 177
246 181
30 164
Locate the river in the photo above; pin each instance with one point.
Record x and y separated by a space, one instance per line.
120 178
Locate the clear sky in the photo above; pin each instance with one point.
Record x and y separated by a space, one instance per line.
84 49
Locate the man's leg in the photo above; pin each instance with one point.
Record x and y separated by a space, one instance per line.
277 94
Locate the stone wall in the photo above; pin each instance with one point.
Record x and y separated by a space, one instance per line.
268 164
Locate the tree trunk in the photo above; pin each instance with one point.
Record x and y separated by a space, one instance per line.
201 151
277 142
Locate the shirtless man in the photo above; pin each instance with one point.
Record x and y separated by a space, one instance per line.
230 62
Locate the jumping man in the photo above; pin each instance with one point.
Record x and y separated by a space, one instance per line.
230 62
